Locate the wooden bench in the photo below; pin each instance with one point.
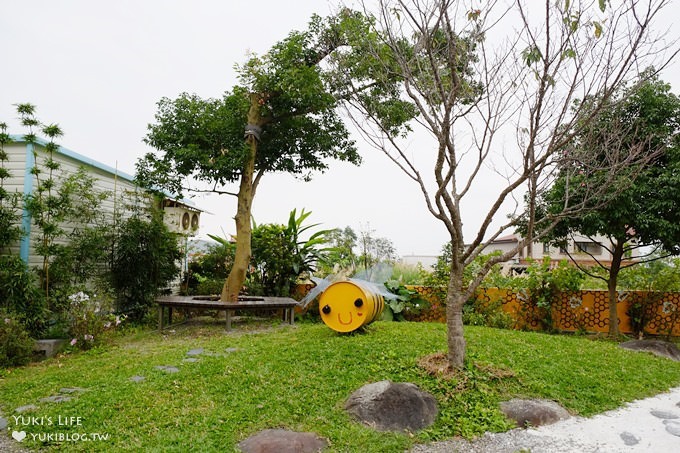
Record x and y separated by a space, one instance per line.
246 303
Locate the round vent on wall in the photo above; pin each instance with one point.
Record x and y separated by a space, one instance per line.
185 221
194 222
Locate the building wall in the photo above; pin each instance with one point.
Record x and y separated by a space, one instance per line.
555 253
123 192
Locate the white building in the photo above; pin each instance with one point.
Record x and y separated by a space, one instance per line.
580 249
23 157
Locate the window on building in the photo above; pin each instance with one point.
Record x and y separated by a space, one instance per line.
546 248
590 248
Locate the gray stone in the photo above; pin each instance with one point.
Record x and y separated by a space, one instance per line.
167 368
27 408
656 347
49 348
72 390
55 399
3 423
389 406
197 351
665 415
137 378
533 412
672 427
190 360
629 439
230 350
282 441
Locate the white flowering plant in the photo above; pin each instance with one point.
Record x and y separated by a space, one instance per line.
90 319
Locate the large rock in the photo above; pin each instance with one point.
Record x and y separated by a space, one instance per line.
656 347
533 412
282 441
389 406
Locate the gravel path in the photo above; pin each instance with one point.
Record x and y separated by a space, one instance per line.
649 425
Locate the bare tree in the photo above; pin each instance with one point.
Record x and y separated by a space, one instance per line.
496 92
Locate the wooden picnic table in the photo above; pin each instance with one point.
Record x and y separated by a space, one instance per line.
246 303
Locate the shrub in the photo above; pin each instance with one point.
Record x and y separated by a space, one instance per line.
16 345
89 320
489 314
145 260
19 294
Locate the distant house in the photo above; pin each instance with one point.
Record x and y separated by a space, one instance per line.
180 216
427 262
581 249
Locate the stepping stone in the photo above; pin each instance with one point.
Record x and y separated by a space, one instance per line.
137 378
3 423
656 347
197 351
629 439
55 399
27 408
190 360
282 441
167 368
230 350
665 415
534 412
672 427
72 390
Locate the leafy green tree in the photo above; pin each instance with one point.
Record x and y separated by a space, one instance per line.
340 253
286 105
640 207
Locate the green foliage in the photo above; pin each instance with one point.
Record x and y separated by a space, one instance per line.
490 314
407 301
144 261
340 253
203 138
207 272
90 319
272 271
639 206
540 284
9 202
16 346
407 274
280 255
442 271
652 280
20 295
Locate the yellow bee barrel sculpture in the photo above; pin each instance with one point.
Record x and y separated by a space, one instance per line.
348 305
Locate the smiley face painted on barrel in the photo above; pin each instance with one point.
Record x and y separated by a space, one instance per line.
345 306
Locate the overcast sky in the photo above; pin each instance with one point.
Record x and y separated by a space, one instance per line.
98 69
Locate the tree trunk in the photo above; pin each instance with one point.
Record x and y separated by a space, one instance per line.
455 299
617 257
246 193
237 275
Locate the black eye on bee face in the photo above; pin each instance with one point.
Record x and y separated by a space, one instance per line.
326 309
358 303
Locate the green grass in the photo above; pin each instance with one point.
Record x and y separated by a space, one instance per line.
298 378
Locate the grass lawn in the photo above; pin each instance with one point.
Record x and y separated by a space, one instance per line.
298 378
